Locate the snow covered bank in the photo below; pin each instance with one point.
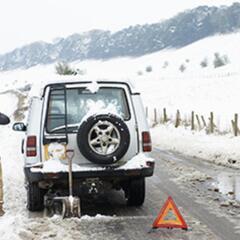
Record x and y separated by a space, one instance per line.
13 179
221 150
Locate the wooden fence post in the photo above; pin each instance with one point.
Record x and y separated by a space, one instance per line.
177 123
211 122
199 123
235 125
1 190
165 115
155 116
192 121
212 126
204 122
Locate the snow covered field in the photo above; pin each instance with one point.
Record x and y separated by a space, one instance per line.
221 150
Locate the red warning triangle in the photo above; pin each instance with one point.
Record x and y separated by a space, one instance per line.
170 217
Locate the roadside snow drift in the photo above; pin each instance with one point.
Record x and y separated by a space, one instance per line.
221 150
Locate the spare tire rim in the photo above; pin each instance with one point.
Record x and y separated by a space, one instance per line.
104 138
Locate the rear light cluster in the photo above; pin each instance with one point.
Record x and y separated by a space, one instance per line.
31 146
146 142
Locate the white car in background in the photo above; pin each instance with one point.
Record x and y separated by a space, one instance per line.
104 123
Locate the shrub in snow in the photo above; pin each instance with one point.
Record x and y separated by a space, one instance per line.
182 68
204 63
219 60
149 69
139 73
64 69
165 64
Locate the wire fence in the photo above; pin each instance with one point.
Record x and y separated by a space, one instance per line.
195 121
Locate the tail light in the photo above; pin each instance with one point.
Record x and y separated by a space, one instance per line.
146 142
31 146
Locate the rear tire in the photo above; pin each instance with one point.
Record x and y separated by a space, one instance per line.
135 192
35 197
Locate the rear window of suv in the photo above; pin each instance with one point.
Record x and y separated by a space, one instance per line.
80 103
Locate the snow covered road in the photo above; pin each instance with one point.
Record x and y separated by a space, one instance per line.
201 191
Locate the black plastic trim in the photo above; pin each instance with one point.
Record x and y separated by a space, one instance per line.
105 174
56 85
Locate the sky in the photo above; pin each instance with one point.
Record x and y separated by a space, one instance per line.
25 21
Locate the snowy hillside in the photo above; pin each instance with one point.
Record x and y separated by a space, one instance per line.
181 30
197 88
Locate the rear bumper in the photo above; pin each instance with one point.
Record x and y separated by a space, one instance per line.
103 174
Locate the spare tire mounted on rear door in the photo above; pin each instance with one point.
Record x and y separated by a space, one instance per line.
103 139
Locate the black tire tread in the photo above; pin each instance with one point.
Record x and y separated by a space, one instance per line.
136 192
35 197
97 158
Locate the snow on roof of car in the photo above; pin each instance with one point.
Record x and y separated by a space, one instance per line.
38 88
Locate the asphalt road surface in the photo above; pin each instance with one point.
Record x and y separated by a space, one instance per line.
202 211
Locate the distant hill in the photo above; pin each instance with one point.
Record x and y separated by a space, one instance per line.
181 30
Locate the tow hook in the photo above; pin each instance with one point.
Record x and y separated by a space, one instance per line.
93 189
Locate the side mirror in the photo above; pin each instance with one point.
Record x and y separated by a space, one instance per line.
4 120
19 126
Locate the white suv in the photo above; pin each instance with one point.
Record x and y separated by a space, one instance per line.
104 123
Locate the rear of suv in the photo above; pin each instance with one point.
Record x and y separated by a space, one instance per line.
104 123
